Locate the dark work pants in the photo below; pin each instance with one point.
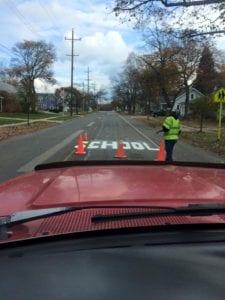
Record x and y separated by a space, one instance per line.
169 145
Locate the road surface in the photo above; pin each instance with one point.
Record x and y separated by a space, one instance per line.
105 130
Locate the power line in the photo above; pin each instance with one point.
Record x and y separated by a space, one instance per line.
53 20
51 16
6 49
21 17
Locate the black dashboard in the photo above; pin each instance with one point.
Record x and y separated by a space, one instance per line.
166 265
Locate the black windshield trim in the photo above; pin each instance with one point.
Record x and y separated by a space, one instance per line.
113 232
67 164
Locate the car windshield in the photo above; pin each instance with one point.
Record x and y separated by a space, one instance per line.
111 81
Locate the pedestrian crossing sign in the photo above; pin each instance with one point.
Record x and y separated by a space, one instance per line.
219 96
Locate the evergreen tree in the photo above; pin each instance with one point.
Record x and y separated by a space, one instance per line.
205 81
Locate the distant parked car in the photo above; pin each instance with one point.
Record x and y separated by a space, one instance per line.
158 113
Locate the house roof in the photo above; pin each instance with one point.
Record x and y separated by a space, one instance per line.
162 99
5 87
190 90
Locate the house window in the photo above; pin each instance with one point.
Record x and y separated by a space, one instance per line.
192 96
178 106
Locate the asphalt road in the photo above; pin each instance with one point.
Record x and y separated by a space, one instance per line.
104 130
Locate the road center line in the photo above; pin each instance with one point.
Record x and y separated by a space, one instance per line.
141 133
47 154
90 124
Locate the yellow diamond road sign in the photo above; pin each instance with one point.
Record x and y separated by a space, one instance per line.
220 96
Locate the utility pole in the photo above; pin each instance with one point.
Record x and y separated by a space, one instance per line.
83 96
88 85
95 97
72 60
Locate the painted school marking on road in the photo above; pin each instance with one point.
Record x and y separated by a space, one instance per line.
90 124
126 145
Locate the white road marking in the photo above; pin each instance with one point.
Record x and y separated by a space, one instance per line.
114 145
94 145
126 146
137 146
90 124
141 133
149 148
47 154
76 146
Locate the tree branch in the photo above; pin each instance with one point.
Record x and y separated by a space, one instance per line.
186 3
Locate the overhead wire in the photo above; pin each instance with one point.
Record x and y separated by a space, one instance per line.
51 16
21 17
5 49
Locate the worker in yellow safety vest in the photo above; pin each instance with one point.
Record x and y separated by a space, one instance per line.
172 129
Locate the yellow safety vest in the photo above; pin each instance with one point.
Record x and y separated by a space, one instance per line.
174 128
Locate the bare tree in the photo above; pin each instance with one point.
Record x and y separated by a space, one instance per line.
199 16
187 60
127 87
163 50
33 60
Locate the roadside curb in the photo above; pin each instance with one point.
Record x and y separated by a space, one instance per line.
31 121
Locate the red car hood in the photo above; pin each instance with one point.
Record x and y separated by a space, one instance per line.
109 185
122 185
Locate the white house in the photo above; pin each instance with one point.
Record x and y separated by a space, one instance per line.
5 87
179 103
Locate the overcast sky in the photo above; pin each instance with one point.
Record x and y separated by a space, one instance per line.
105 41
104 46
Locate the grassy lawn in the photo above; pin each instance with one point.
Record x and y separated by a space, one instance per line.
206 140
63 118
153 122
9 121
34 116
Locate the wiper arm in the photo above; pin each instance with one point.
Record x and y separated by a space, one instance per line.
35 214
192 210
30 215
26 216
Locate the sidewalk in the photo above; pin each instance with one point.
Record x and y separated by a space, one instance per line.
49 119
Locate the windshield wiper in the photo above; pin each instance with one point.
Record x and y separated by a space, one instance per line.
35 214
193 210
155 211
21 217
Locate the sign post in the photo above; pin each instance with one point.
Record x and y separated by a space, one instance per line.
219 97
1 99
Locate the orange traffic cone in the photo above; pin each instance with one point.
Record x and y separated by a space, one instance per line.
85 139
80 149
120 152
161 153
